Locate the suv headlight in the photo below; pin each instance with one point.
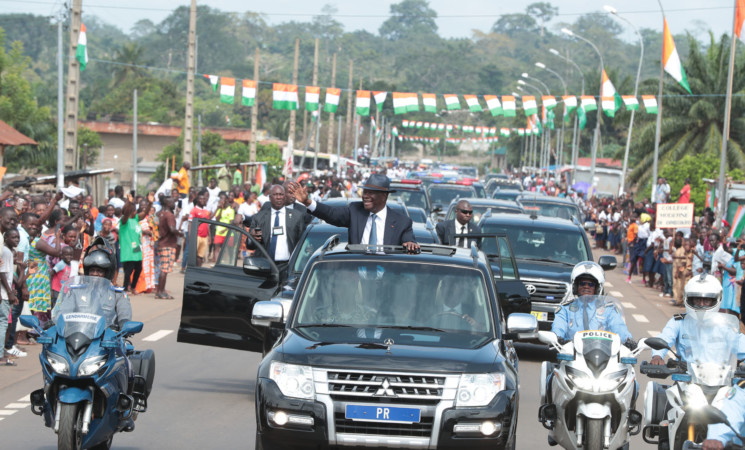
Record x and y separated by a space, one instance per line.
293 380
478 389
91 365
58 363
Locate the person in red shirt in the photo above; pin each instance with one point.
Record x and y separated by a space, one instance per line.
203 232
685 192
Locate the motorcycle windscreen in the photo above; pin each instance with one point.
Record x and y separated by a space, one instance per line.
711 352
85 305
597 350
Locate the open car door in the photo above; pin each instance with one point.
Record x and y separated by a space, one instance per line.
218 301
513 296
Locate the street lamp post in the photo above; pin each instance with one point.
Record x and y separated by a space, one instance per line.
575 132
536 160
596 138
560 136
546 137
613 11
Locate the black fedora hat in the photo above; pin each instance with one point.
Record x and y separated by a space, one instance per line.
378 182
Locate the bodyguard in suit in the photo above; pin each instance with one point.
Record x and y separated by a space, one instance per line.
369 221
278 228
449 230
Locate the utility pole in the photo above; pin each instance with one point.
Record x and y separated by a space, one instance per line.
338 140
60 109
315 83
199 148
330 144
293 113
255 111
134 140
350 95
190 69
73 87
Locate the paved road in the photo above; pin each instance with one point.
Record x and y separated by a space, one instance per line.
203 397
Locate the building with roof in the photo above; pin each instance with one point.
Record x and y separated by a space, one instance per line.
10 137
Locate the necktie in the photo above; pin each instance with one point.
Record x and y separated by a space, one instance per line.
273 242
462 241
585 318
373 233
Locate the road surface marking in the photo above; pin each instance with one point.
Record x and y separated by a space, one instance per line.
616 294
653 332
8 412
628 305
158 335
17 405
641 318
25 399
608 284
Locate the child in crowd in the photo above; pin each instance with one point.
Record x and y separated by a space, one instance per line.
61 272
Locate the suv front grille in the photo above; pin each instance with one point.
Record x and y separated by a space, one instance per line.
421 429
547 291
368 387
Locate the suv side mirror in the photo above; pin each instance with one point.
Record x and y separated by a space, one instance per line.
608 262
257 266
589 225
267 313
522 326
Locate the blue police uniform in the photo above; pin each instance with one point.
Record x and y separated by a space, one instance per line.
672 335
733 407
579 315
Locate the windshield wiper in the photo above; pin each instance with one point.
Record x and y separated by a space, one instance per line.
548 260
409 327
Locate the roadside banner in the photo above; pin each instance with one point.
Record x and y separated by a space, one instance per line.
674 215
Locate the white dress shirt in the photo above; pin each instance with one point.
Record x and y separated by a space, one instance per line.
282 252
379 227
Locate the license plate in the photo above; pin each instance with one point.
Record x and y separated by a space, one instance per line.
383 414
540 315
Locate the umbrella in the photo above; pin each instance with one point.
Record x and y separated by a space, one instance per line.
581 186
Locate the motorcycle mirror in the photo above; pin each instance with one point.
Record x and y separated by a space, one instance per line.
656 343
548 337
30 321
131 327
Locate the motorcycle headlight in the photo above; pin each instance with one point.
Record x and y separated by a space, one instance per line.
611 380
478 389
293 380
579 378
91 365
695 397
586 382
58 363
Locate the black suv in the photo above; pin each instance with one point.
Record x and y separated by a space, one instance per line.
386 349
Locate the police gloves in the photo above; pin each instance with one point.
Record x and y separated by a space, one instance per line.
630 344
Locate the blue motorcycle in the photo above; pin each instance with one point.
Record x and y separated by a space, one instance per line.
95 384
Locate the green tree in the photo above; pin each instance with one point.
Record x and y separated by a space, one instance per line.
410 17
131 59
89 144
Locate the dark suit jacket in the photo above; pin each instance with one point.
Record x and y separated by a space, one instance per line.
446 232
299 207
354 217
294 226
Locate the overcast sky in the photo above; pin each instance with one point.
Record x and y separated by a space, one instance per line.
457 18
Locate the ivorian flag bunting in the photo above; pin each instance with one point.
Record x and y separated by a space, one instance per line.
581 114
441 127
81 52
404 102
419 124
405 123
550 117
650 103
332 100
521 131
671 60
505 132
379 97
248 93
473 103
738 223
451 102
426 125
285 96
493 105
430 102
312 97
609 98
508 106
227 90
630 102
739 17
448 128
588 103
214 79
394 131
529 105
570 103
362 105
548 101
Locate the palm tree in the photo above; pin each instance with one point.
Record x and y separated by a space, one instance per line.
692 124
132 62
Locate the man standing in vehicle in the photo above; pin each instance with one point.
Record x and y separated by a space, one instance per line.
448 230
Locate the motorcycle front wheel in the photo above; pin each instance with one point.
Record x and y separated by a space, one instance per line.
71 421
594 434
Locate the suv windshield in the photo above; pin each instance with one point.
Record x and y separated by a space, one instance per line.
358 301
561 246
559 210
443 194
411 198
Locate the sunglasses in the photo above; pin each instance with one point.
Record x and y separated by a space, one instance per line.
466 211
587 284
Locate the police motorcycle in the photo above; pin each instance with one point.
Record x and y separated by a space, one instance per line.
95 384
589 401
702 375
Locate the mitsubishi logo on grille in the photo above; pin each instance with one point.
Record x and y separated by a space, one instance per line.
531 288
385 389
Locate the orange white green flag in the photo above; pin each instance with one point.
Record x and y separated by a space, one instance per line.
404 102
671 60
493 105
610 101
248 94
451 102
631 102
430 102
81 52
312 97
227 90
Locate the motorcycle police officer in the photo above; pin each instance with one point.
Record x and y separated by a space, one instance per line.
589 311
734 408
702 296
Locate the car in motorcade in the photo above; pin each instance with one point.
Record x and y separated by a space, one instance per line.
482 205
502 183
373 352
490 176
546 205
441 194
506 194
546 250
468 171
412 192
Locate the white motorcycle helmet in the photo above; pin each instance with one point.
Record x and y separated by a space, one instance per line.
588 269
705 287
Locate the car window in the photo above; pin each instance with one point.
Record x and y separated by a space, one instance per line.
444 194
313 241
232 250
509 271
539 244
506 195
479 211
367 299
480 192
410 198
551 209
